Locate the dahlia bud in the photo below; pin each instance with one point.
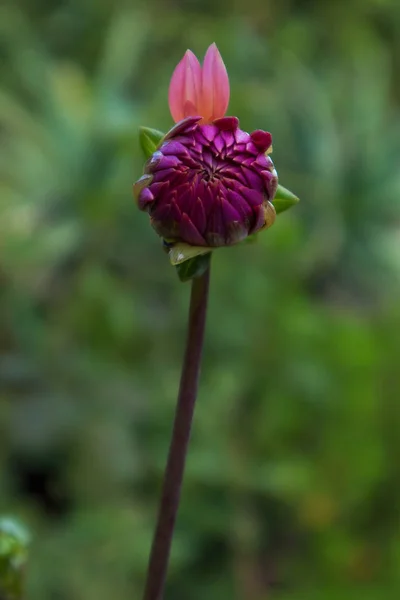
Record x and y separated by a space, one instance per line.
207 183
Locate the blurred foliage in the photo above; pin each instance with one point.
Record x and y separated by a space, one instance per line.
13 553
292 484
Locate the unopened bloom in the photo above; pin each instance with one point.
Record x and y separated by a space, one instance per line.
209 183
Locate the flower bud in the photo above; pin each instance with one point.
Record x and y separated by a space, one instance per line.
209 185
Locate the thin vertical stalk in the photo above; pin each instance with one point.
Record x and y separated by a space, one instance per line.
160 551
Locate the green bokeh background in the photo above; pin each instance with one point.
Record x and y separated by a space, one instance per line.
292 487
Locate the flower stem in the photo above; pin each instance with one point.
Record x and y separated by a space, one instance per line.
159 556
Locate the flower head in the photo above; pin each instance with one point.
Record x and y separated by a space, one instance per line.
208 183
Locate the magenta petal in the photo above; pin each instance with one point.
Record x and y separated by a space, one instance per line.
167 213
242 137
209 132
262 139
176 213
145 198
219 143
208 159
185 198
190 233
216 227
207 195
157 189
198 216
239 158
228 138
252 149
229 212
227 123
253 197
235 175
240 149
163 175
239 203
267 174
264 161
248 161
254 180
173 147
166 162
216 219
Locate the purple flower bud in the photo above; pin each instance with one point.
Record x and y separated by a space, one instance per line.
209 184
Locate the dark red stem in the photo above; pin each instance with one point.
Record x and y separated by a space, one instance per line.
160 551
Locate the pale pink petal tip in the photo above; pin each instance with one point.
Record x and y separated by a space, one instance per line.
215 86
196 90
185 88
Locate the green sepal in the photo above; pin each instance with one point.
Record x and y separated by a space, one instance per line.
194 267
179 252
149 140
284 199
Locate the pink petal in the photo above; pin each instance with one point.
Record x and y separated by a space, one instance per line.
215 86
185 88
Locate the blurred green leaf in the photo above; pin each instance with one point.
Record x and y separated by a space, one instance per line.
14 541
